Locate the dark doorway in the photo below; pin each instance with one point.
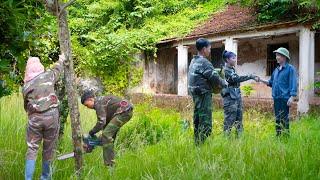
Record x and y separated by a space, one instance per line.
216 57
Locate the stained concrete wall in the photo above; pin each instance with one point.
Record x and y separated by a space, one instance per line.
159 74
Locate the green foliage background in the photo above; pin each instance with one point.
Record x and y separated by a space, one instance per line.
107 35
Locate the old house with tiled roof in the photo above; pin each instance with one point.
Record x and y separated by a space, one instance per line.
235 29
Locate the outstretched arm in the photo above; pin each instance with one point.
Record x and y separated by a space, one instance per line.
266 82
57 68
233 77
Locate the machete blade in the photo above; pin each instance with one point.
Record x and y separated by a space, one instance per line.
66 156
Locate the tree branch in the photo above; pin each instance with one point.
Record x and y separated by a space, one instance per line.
65 5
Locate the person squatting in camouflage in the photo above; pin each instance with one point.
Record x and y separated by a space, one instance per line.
40 103
202 78
232 101
112 113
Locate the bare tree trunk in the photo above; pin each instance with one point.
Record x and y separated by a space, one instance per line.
65 47
59 10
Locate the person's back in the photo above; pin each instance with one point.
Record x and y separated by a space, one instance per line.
39 93
40 103
202 76
107 106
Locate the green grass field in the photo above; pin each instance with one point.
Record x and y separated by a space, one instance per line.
156 145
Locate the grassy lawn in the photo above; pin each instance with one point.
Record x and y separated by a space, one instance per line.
157 144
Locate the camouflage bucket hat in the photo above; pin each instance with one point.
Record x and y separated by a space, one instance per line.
283 51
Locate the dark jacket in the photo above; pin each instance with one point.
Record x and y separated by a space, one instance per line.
234 81
202 77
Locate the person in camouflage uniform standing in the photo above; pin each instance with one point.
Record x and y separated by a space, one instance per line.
232 101
40 103
112 113
202 78
63 104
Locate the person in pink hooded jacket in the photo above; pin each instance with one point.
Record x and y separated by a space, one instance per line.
41 105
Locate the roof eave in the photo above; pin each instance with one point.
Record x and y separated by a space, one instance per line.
241 30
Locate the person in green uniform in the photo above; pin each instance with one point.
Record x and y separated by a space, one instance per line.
112 113
232 101
202 79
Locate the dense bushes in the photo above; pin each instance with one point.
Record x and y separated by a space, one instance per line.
107 34
276 10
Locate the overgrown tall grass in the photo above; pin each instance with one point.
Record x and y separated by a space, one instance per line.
156 145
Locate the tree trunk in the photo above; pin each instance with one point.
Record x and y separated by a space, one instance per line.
59 10
65 47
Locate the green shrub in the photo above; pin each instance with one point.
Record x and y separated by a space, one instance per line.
247 89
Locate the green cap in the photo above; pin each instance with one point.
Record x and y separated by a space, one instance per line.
283 51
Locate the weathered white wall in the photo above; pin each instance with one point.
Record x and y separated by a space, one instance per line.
182 70
148 68
307 61
159 72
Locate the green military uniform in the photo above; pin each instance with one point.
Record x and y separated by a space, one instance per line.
202 78
112 113
232 101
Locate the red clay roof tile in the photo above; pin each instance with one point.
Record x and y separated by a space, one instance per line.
232 18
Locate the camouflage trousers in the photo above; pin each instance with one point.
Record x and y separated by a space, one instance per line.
109 135
232 114
42 126
202 117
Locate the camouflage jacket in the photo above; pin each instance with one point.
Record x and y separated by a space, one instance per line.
233 78
106 108
234 81
202 77
39 94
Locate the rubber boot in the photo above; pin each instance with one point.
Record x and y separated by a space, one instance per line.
30 165
46 171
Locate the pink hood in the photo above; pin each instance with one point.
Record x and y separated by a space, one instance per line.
33 69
